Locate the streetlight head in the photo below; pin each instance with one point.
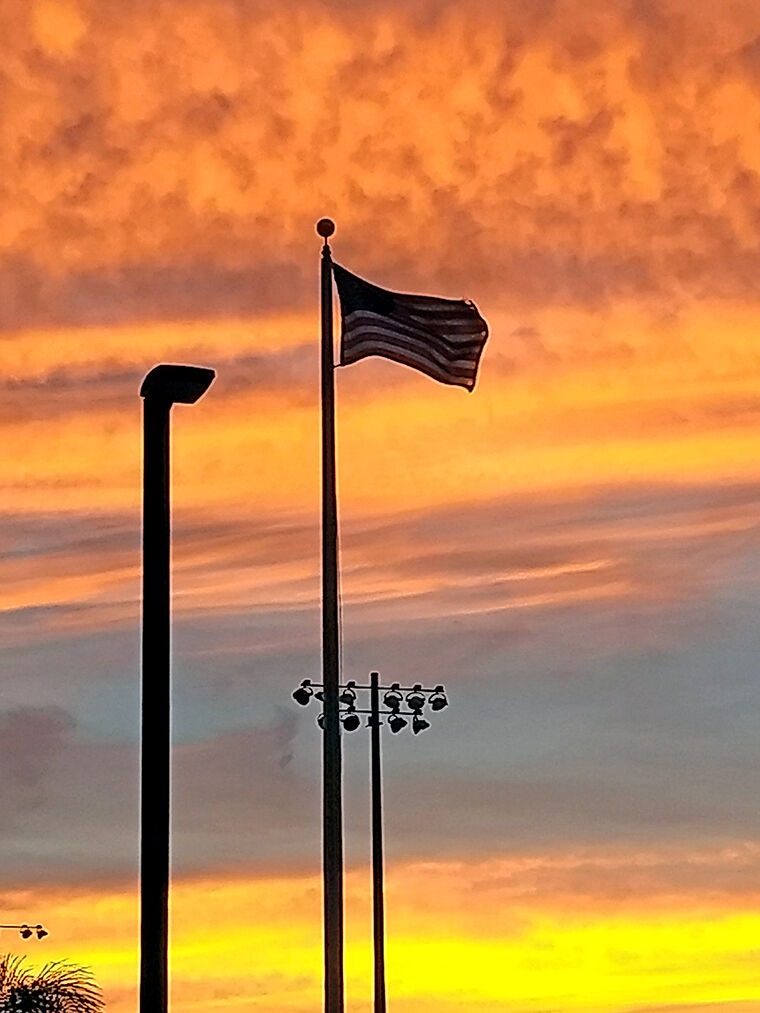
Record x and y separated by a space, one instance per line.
351 721
41 933
396 723
419 724
177 384
25 932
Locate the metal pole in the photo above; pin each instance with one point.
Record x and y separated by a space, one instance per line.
156 704
164 386
378 899
332 806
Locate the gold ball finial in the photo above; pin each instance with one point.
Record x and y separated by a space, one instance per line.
325 227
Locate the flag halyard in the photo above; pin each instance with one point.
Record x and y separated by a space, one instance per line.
443 338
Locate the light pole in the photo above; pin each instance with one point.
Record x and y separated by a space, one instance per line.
27 931
378 890
395 697
164 386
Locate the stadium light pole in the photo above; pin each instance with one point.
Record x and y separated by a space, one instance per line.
399 704
163 387
378 886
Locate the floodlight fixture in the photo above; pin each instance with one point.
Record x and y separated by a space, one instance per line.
396 723
348 696
25 932
321 721
351 721
304 693
393 698
437 699
416 699
419 724
41 933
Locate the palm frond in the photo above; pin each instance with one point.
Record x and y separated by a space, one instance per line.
12 972
59 987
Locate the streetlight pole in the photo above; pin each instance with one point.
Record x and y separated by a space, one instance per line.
378 894
164 386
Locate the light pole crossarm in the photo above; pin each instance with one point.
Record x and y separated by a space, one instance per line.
380 713
381 689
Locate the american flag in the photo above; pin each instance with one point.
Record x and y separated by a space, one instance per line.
441 337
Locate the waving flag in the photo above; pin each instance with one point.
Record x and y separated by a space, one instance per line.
441 337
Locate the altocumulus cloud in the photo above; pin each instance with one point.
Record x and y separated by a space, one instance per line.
568 152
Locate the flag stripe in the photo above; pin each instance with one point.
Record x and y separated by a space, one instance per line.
431 303
436 307
455 346
375 340
371 339
388 350
451 328
458 312
443 338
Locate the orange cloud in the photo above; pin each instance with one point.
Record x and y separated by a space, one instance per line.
172 163
571 401
58 26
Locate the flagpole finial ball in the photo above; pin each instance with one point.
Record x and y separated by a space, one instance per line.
325 227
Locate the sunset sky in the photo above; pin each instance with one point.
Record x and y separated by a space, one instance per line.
573 549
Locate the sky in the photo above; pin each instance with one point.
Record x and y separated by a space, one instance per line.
573 549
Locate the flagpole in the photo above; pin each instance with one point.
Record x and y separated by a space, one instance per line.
332 805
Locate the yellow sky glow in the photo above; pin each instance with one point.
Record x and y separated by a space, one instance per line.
242 942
